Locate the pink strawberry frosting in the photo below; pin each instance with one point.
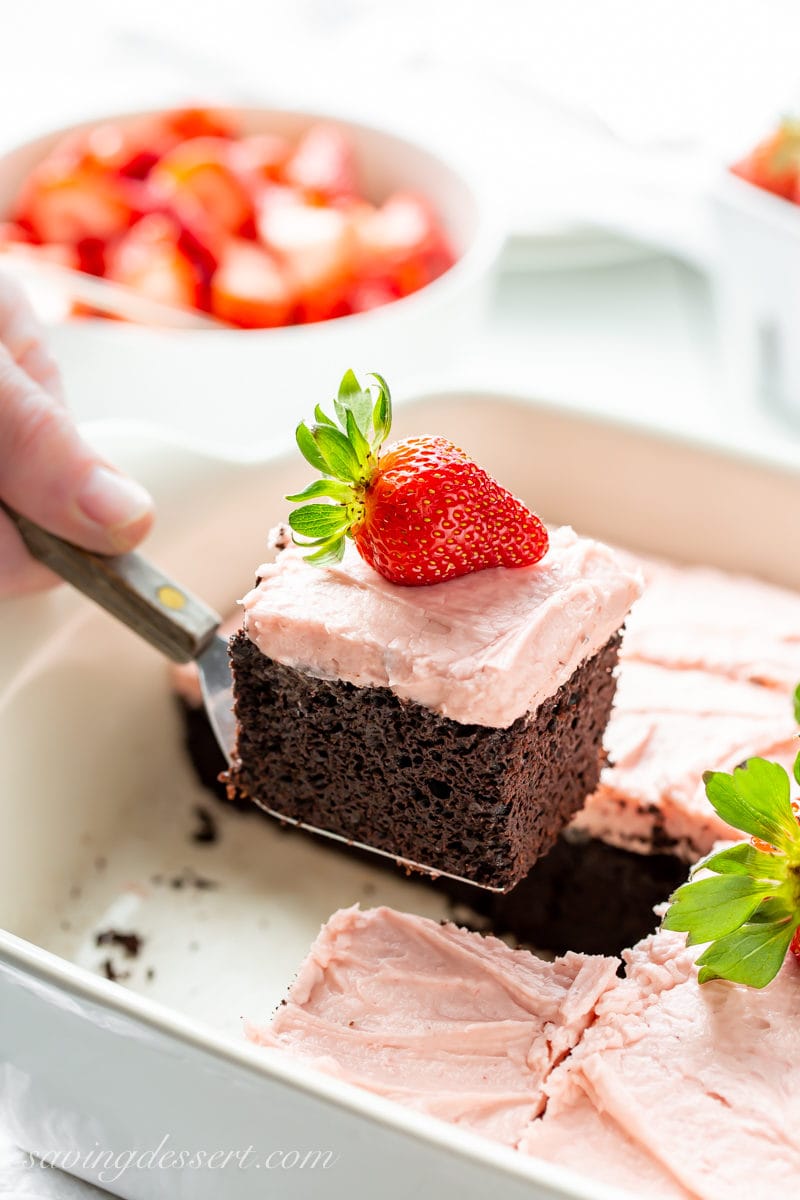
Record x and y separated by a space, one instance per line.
444 1020
667 727
698 1084
484 649
698 618
586 1139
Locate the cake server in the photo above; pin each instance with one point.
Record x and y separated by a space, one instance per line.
181 627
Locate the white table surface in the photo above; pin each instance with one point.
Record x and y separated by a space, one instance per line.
633 336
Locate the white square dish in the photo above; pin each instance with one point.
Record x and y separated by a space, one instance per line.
98 801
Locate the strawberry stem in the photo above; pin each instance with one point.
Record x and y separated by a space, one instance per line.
345 451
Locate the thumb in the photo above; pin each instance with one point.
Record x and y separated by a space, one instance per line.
48 473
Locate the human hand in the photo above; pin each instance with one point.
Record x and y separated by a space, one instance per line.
47 471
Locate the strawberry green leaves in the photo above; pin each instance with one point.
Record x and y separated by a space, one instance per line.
746 905
745 859
346 455
710 908
755 799
752 955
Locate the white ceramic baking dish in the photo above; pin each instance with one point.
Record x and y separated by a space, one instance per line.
97 807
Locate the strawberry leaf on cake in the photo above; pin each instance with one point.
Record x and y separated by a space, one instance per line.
746 904
755 799
419 512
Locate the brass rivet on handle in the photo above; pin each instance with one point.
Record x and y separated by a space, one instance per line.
170 597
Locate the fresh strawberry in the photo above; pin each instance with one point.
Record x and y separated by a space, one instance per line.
402 242
367 294
249 288
150 259
128 149
63 254
65 201
323 165
260 158
11 233
316 247
200 175
794 945
774 164
420 512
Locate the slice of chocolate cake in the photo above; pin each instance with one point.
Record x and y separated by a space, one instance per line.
458 725
709 685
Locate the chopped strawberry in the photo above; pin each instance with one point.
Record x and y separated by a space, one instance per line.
11 232
132 147
185 123
323 164
249 288
420 512
61 253
62 201
200 175
329 248
402 240
316 246
261 157
201 243
774 164
150 259
128 149
372 293
90 255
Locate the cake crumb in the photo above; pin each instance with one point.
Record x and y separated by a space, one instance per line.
207 831
131 943
110 972
188 878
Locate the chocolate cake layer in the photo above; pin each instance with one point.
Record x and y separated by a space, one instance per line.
584 895
471 800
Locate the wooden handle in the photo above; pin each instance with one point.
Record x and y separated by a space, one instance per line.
128 587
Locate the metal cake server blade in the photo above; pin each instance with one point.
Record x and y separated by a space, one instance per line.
184 629
216 684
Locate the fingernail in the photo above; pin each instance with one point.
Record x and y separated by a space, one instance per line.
111 500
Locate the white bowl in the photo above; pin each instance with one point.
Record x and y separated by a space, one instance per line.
757 293
228 387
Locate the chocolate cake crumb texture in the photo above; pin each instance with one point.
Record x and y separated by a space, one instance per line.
585 895
475 801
